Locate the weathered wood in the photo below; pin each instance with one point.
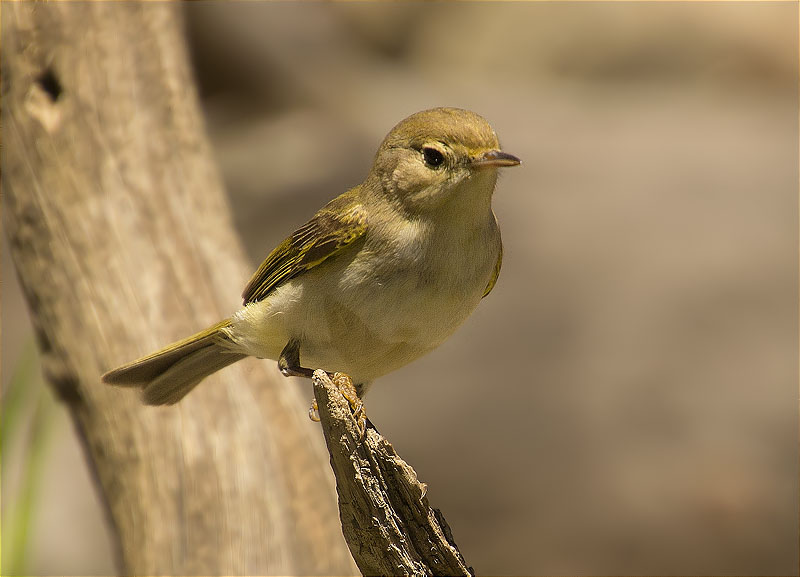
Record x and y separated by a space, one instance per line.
122 239
389 525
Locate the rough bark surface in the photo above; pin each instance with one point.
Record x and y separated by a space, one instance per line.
389 525
123 242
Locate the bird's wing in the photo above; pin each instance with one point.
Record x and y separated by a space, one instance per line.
340 223
495 273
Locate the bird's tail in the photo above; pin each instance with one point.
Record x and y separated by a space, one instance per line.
166 376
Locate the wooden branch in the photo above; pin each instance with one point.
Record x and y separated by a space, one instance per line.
123 242
387 521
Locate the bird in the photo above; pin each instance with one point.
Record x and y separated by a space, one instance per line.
379 277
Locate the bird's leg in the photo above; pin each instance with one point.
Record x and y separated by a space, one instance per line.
289 365
289 361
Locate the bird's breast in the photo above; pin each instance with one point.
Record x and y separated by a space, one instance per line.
420 281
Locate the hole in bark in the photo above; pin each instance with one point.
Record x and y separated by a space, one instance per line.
50 84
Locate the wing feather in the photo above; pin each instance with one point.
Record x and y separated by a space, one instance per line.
496 273
339 224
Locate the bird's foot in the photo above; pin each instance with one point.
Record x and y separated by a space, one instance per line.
313 412
345 385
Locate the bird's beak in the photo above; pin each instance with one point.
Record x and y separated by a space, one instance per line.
494 158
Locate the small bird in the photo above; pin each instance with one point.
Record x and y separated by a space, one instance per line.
380 276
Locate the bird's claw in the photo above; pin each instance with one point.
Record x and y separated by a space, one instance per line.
344 384
348 390
313 411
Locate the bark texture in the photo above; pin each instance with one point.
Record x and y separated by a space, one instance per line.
122 238
386 518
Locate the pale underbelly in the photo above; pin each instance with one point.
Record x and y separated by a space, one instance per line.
374 342
364 333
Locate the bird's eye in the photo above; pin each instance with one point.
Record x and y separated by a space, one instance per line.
433 157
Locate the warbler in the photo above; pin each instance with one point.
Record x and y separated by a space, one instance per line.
380 276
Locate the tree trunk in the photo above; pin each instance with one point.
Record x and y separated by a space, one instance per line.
123 242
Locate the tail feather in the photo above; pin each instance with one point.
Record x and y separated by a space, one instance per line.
169 374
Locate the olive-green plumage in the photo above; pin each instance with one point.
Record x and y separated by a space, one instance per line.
378 277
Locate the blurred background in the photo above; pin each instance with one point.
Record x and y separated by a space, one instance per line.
626 399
